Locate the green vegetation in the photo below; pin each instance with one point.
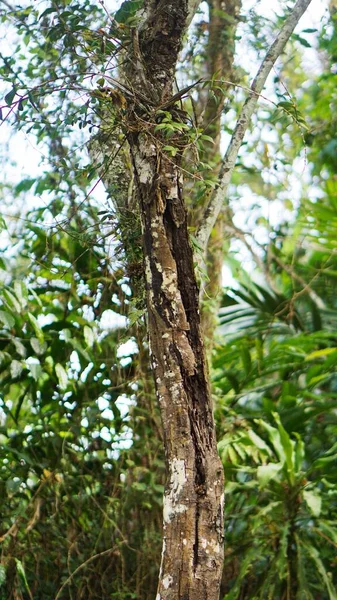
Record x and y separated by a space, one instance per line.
82 460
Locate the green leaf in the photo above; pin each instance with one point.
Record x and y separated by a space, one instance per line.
196 244
37 346
24 185
10 96
7 319
207 138
62 376
171 149
320 353
314 501
299 453
269 508
12 300
19 347
89 336
48 11
274 437
232 455
265 473
282 557
135 314
288 447
35 369
22 575
259 442
3 225
16 368
36 327
301 40
286 105
13 486
2 575
128 10
21 293
164 125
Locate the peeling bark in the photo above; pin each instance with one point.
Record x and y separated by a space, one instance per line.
192 555
193 502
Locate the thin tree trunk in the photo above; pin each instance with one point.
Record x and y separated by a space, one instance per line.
218 197
223 22
193 513
192 554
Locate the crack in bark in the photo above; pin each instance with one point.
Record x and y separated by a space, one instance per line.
191 553
196 538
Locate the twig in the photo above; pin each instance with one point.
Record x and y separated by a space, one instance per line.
9 6
215 204
84 564
307 289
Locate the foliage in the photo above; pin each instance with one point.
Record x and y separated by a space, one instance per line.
275 378
81 490
81 455
71 490
278 389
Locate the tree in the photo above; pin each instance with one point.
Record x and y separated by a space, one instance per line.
154 133
193 502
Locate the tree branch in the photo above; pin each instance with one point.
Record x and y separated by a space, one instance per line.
81 566
9 6
216 201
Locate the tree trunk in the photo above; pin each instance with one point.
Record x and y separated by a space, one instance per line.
193 513
192 553
219 64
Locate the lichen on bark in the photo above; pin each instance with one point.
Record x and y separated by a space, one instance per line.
193 509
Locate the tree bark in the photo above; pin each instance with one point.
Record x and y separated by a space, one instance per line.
193 502
192 554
